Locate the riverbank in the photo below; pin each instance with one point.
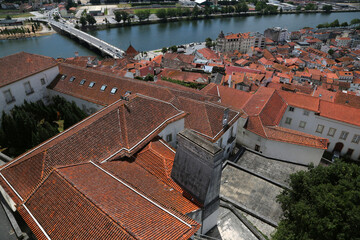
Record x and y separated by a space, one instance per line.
201 17
43 31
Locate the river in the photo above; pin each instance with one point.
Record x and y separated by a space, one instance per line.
155 36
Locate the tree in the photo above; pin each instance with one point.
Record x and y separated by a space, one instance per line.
118 16
161 13
331 51
355 21
335 23
164 50
90 19
173 48
8 17
327 8
322 203
171 12
143 14
208 42
149 77
241 7
298 8
125 16
56 17
344 24
83 21
195 12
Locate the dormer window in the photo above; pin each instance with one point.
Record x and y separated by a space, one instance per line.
92 84
63 76
103 87
113 90
82 82
72 79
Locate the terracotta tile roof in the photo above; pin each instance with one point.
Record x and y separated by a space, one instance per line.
208 54
130 51
340 112
100 78
81 61
184 76
347 99
324 94
301 100
120 129
205 118
21 65
101 205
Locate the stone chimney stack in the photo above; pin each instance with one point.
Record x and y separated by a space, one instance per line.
197 169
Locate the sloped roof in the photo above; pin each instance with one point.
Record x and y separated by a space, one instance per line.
87 201
118 130
300 100
340 112
130 51
21 65
205 118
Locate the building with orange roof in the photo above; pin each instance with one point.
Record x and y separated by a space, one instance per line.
24 77
242 42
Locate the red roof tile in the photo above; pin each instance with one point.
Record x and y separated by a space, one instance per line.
21 65
340 112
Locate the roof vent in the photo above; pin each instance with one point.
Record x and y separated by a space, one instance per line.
225 117
125 97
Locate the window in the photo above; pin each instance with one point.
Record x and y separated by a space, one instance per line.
8 96
169 137
63 77
320 128
257 148
113 90
331 132
356 139
349 152
72 79
28 88
306 112
291 109
82 82
344 135
220 142
288 120
103 87
92 84
42 81
302 124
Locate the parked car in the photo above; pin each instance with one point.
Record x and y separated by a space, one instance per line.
335 155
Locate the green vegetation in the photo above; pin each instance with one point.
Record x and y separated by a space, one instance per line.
264 8
14 15
83 21
164 50
311 6
333 24
209 43
186 84
32 123
143 14
122 15
173 48
327 8
322 203
90 19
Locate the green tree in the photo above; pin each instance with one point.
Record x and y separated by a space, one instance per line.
90 19
195 12
164 50
322 203
310 6
118 16
125 16
208 42
143 14
171 12
331 51
173 48
344 24
8 17
298 8
149 77
83 21
327 8
335 23
161 13
355 21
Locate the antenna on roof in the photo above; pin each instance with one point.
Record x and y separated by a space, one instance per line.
225 117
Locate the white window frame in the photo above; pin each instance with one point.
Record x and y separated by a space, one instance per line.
344 135
331 132
9 98
356 139
306 113
319 126
302 124
28 89
169 138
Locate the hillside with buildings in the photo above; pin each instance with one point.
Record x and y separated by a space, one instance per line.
157 159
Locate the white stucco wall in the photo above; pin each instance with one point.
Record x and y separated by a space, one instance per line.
173 128
313 120
228 147
86 106
40 92
280 150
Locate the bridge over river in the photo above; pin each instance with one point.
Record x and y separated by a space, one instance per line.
93 42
